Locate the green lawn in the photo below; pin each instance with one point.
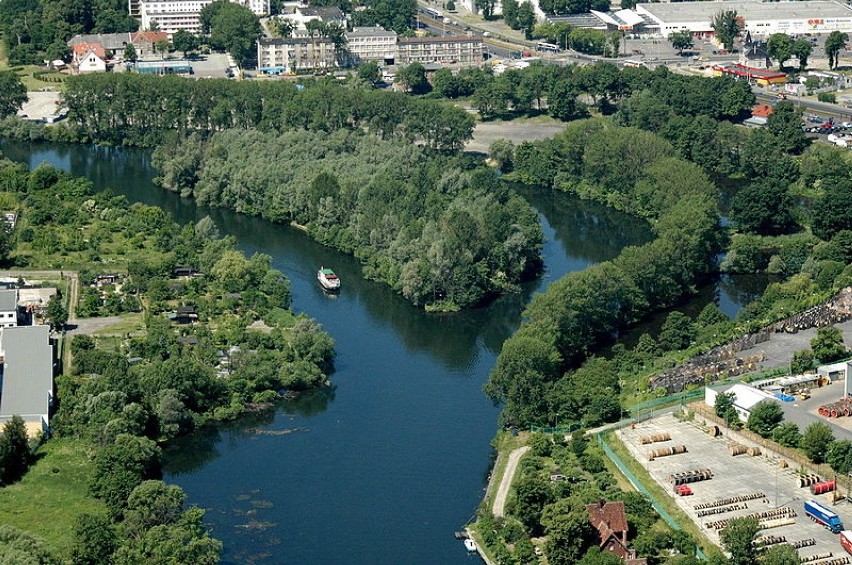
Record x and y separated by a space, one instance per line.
47 501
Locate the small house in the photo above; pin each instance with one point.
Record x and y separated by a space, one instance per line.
184 315
90 57
610 520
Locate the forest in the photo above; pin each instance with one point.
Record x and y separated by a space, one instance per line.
124 395
132 109
35 30
442 231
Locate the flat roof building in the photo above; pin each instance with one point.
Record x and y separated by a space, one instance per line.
8 308
759 18
26 376
450 50
371 44
171 16
289 55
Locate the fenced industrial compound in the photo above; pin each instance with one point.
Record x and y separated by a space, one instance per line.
763 485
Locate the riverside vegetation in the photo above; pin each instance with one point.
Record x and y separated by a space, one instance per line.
114 414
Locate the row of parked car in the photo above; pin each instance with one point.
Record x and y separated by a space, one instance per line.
826 127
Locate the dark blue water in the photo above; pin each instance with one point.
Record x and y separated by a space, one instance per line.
383 466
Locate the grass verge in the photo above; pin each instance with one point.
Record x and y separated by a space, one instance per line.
53 493
504 443
658 494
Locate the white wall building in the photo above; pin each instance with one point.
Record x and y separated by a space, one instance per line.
371 44
745 398
174 15
8 308
760 18
288 55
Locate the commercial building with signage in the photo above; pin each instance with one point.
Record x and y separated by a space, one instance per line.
759 18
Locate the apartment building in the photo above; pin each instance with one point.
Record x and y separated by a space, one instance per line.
371 44
289 55
450 50
171 16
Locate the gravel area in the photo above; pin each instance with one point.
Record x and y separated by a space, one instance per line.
732 476
515 131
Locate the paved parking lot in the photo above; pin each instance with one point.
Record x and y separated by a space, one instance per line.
732 476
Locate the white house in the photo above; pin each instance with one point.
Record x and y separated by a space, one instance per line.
91 63
8 308
745 398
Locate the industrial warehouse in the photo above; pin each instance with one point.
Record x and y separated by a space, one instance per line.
759 18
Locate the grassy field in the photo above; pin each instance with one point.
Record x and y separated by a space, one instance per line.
26 73
52 494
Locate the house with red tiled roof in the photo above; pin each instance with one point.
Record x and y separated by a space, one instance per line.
610 520
89 57
144 41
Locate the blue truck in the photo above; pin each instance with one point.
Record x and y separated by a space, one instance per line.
822 515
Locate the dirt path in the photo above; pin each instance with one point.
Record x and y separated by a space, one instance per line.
506 481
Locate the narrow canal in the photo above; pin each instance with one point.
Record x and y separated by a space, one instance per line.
388 462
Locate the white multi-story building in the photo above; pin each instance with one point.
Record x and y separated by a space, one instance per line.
8 308
287 55
449 50
371 44
173 15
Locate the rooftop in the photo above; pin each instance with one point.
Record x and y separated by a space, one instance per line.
749 10
447 39
27 372
8 300
370 32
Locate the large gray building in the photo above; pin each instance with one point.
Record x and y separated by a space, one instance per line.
289 55
26 376
450 50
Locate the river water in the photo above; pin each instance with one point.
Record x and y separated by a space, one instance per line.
383 466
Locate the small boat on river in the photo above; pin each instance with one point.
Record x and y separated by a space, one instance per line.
328 279
470 545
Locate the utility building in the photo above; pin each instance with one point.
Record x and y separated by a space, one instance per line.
26 376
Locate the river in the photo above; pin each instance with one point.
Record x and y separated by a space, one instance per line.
383 466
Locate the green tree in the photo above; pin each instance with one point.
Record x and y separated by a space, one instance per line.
152 503
727 27
502 152
451 6
738 537
832 212
681 40
787 434
802 361
185 542
57 313
13 93
121 467
532 495
413 77
781 554
20 548
785 123
834 43
828 345
764 207
816 441
724 407
510 13
184 41
486 7
369 72
130 53
677 332
162 47
94 540
526 18
569 532
235 29
780 48
765 417
839 456
15 455
802 48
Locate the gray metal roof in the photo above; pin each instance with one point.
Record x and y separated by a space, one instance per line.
8 300
111 41
749 10
27 372
370 32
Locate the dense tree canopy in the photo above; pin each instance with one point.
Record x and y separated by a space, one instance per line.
433 228
13 93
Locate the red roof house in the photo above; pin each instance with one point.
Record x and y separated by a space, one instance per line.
610 520
81 49
761 111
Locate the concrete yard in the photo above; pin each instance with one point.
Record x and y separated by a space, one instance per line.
732 476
